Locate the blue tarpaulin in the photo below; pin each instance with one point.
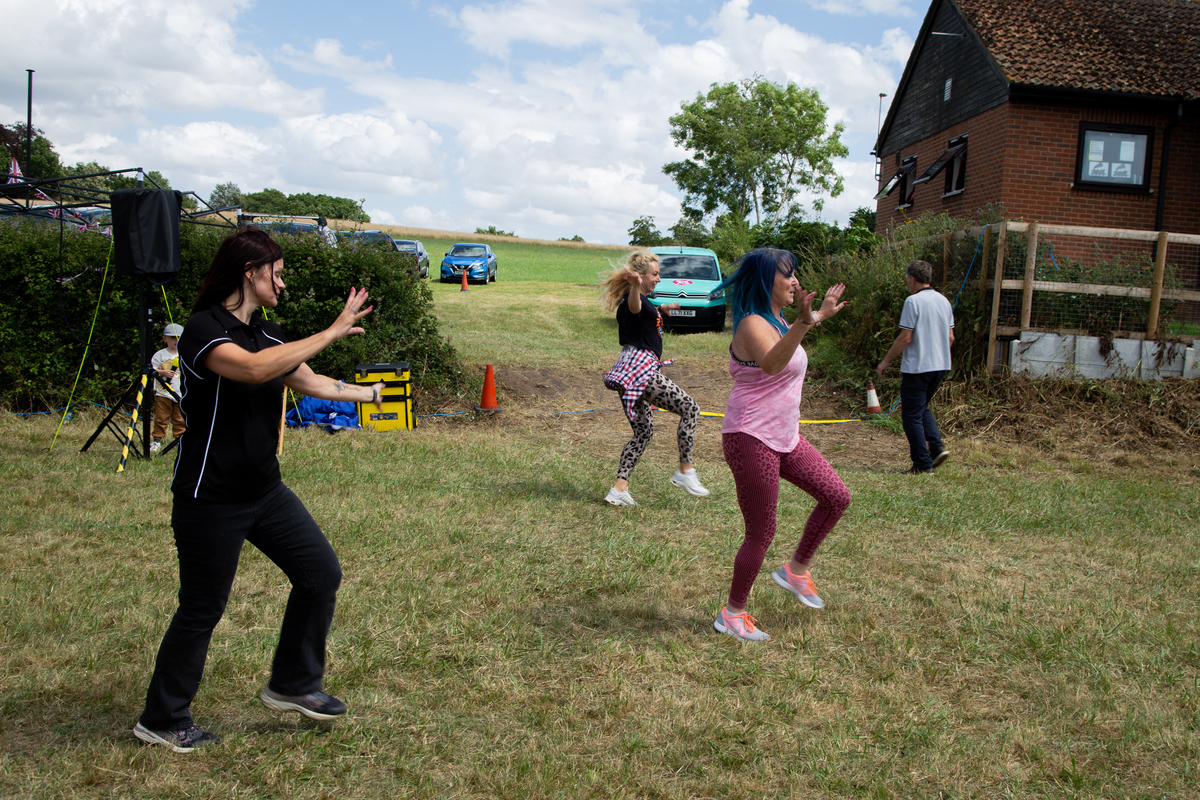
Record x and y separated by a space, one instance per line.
332 415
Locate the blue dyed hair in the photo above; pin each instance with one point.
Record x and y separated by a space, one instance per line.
749 287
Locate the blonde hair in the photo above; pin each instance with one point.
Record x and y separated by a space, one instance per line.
614 285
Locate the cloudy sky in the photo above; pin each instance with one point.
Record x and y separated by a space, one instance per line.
543 117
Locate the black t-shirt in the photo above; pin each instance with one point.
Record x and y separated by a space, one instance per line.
228 452
643 330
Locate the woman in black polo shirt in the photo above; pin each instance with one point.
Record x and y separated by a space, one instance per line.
637 377
228 490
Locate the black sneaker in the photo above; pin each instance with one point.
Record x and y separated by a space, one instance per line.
916 471
316 705
941 457
184 741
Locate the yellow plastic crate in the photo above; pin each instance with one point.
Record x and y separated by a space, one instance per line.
397 397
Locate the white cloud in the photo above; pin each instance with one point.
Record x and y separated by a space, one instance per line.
859 8
113 61
492 28
381 217
570 140
895 47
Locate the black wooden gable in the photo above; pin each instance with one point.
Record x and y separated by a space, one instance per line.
948 79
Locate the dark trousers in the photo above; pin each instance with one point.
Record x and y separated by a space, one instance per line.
924 438
208 538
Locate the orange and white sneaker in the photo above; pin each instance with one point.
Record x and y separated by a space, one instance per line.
800 585
739 625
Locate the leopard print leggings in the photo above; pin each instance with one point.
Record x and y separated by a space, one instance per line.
664 393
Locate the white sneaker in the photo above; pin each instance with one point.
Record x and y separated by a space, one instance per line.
615 498
155 446
689 482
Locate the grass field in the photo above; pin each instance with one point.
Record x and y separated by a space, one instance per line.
1018 625
517 261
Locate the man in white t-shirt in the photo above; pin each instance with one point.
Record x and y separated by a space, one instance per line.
166 363
926 335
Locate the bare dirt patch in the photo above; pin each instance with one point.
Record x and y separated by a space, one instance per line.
1154 426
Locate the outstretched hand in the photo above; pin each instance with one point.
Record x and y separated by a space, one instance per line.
346 322
830 304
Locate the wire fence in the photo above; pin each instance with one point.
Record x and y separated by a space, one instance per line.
1102 282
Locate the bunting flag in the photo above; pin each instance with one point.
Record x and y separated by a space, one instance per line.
16 176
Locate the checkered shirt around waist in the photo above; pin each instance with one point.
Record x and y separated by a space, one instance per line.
631 373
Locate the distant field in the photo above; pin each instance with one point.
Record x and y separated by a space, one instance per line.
519 261
426 234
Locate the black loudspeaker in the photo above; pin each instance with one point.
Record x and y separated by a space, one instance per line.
146 233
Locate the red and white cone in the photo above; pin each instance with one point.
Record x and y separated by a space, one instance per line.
873 406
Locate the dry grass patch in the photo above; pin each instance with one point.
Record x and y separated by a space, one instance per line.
503 633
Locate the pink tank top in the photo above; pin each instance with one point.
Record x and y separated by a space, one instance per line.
766 406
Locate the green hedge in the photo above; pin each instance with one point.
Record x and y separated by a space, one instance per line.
860 336
49 310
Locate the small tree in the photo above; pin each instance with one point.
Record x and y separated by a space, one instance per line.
226 195
492 230
689 233
644 233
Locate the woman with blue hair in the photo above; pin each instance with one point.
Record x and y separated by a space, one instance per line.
761 432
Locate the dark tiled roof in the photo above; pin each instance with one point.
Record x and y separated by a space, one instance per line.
1149 47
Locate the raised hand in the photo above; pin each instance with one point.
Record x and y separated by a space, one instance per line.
830 304
352 312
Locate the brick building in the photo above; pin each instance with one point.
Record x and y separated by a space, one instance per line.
1076 112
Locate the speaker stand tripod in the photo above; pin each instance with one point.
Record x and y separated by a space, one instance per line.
139 393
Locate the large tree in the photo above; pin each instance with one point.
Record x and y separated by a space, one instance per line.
754 145
273 201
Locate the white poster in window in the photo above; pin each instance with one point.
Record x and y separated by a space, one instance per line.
1121 169
1127 150
1096 150
1098 169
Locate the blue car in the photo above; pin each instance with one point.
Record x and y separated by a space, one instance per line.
690 276
477 260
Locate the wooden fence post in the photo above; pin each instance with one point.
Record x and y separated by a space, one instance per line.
1031 243
1001 241
1160 264
983 276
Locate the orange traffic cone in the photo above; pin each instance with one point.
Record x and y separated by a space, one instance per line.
872 399
488 401
464 288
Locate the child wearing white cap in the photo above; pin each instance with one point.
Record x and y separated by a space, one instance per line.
166 363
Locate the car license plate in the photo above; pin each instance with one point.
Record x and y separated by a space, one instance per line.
684 312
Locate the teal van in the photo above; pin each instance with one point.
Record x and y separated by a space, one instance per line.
690 276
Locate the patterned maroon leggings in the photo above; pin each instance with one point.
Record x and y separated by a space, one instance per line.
756 472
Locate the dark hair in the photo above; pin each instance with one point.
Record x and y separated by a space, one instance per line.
240 253
322 221
920 271
750 286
